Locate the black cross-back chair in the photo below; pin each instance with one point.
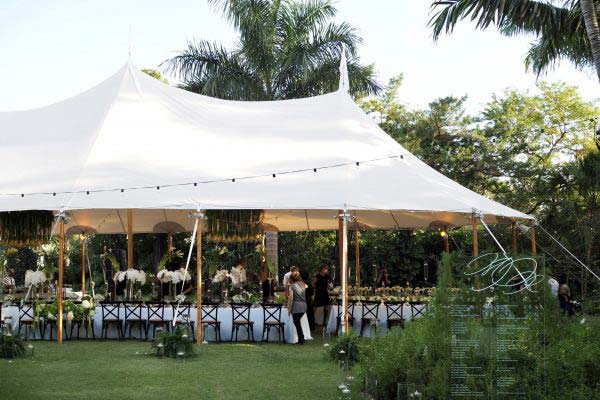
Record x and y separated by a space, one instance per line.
394 311
370 314
183 317
133 316
156 317
338 318
50 323
272 319
26 319
417 311
110 316
79 323
241 319
210 318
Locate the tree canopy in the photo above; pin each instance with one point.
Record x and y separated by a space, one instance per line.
286 49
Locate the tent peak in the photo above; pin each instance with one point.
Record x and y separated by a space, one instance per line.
344 81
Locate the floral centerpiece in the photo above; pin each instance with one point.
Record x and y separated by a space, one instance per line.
222 276
133 278
80 312
35 280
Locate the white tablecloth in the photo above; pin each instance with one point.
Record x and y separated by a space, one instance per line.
224 316
381 318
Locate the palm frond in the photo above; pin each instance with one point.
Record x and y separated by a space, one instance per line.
525 15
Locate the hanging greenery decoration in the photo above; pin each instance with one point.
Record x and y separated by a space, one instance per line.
234 225
25 228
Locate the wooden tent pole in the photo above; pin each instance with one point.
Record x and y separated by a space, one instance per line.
340 251
130 238
475 249
343 233
533 246
446 241
170 242
513 227
61 265
199 284
357 251
82 264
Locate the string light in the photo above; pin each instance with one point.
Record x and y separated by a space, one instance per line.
157 187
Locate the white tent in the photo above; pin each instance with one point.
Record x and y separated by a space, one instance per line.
133 142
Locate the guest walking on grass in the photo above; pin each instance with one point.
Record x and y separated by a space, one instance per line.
297 303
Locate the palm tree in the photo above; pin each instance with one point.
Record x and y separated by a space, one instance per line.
567 32
287 49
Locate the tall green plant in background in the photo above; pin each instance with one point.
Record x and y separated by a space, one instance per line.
287 49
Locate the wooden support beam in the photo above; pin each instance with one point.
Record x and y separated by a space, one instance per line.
343 234
532 232
130 238
61 267
199 336
82 264
170 242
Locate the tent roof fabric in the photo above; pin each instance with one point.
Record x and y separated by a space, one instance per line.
133 142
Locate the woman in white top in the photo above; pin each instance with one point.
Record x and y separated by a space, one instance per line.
297 303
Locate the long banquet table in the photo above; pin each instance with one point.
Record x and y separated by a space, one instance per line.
224 316
381 317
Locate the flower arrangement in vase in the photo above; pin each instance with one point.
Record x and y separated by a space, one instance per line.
133 278
35 280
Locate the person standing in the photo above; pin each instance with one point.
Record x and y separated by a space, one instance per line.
297 303
565 300
287 276
321 284
383 280
310 292
554 285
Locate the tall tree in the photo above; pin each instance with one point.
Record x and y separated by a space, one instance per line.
567 32
286 49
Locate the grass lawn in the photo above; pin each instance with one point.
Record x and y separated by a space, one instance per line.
121 370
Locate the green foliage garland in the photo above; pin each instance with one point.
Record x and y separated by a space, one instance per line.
23 228
234 225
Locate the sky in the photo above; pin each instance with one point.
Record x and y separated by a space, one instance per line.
52 50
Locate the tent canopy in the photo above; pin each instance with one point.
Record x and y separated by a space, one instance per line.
133 142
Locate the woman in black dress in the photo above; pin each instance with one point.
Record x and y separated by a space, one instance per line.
322 291
310 311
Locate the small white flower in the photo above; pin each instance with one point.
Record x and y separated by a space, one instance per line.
85 304
50 316
70 316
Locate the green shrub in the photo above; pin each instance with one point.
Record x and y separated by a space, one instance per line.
556 357
11 345
350 344
174 341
